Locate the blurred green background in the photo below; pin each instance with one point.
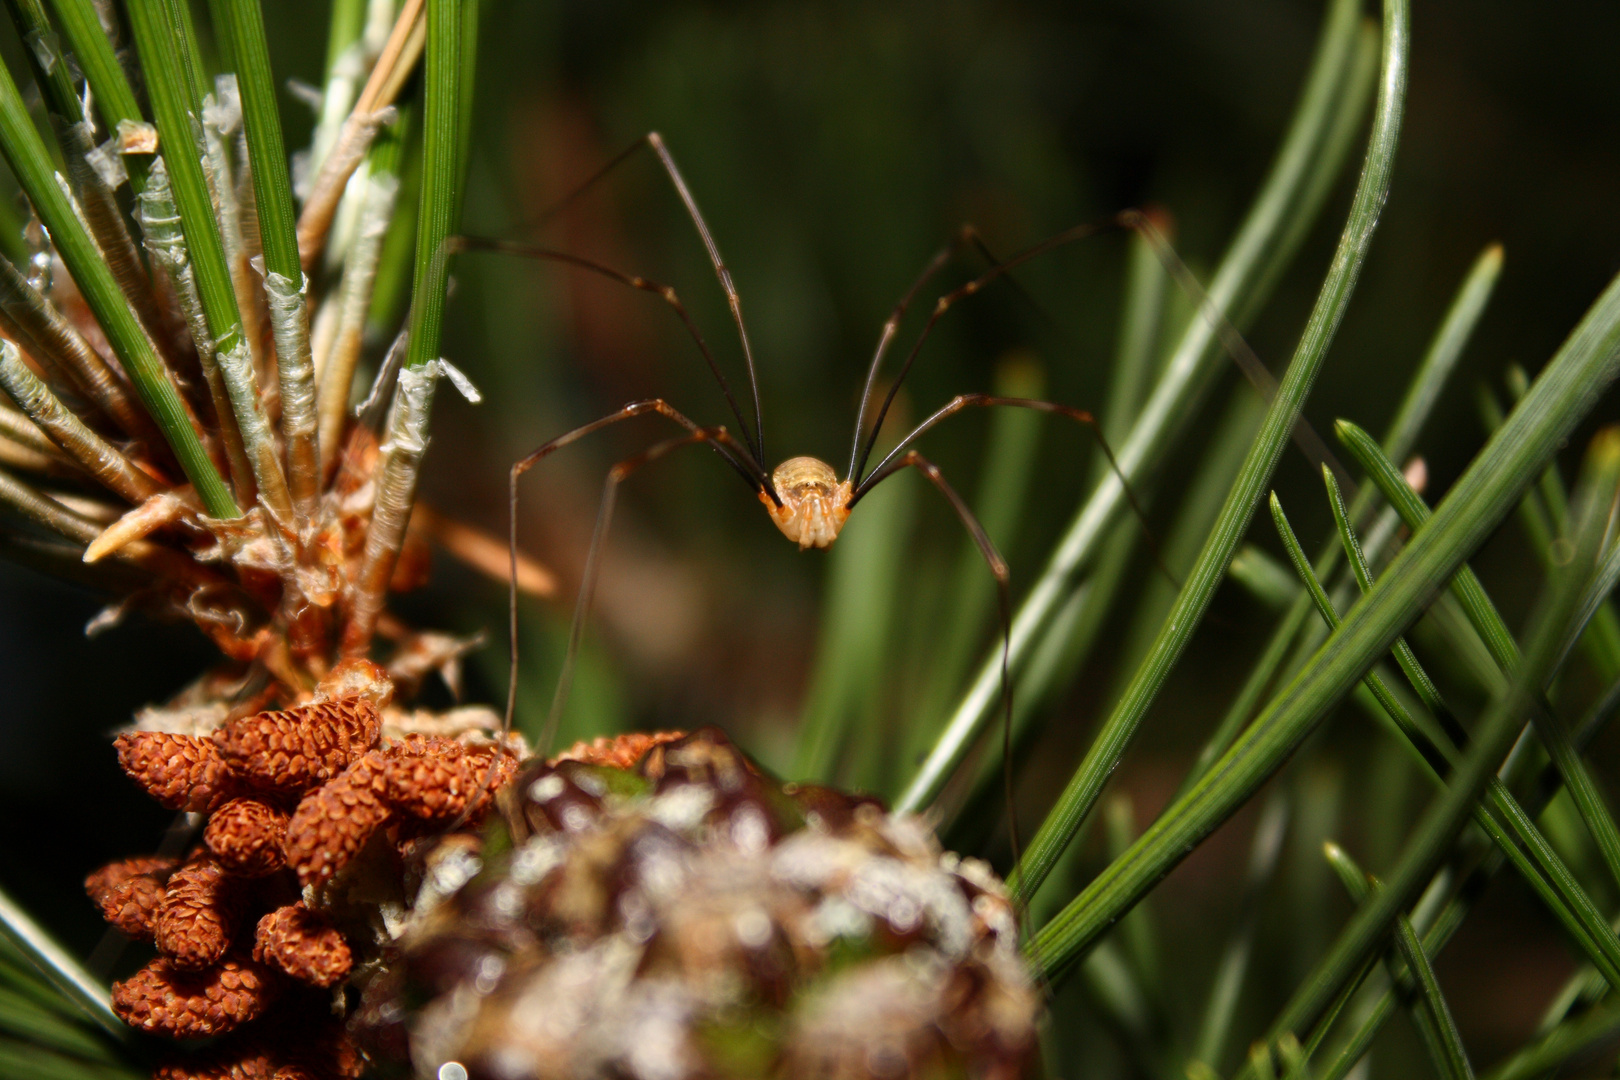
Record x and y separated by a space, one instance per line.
833 148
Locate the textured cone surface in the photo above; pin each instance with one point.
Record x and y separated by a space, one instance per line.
199 911
129 891
166 1000
181 772
333 822
296 749
304 945
692 917
246 837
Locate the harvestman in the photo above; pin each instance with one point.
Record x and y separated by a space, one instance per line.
803 495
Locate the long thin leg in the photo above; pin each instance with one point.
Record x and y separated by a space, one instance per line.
587 184
587 588
1315 449
968 234
655 142
944 304
891 326
998 568
964 401
1079 416
728 448
634 281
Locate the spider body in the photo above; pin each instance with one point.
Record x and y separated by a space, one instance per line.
811 503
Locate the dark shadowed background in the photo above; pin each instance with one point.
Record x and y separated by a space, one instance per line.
834 147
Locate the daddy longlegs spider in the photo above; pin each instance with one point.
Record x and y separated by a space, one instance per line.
803 495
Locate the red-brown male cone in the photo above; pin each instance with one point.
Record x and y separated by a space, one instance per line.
616 751
180 771
246 836
128 892
297 749
165 1000
448 782
304 945
334 821
198 914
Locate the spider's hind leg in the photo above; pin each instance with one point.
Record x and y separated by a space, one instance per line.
733 453
998 570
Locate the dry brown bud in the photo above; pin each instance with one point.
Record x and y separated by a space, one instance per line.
334 822
304 944
296 749
448 781
165 1000
182 772
197 915
128 892
618 751
246 836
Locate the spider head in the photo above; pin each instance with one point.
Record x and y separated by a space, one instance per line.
814 504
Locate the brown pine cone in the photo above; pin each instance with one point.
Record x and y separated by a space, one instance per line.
293 1041
180 771
699 898
128 892
314 1046
197 915
98 882
617 751
236 1061
297 749
246 837
453 783
333 822
335 1055
165 1000
303 944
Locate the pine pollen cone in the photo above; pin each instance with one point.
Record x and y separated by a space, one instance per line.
197 915
617 751
237 1062
181 772
246 837
166 1000
304 945
449 784
297 749
128 892
333 822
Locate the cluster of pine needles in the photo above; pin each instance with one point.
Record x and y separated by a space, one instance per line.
185 307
